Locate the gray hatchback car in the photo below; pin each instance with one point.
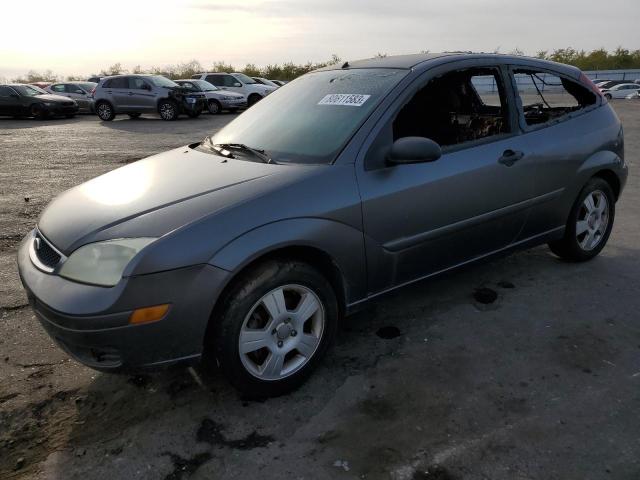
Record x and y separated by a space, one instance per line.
247 248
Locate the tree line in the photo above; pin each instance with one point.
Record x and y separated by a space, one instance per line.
598 59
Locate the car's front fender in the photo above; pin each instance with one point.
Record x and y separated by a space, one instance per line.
343 243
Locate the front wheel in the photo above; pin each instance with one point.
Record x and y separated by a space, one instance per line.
214 107
274 326
607 96
589 224
105 111
253 99
37 111
168 110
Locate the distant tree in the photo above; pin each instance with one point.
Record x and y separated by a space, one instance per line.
35 76
115 69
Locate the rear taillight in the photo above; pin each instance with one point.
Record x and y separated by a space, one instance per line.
93 91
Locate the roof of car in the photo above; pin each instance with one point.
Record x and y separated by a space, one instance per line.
429 59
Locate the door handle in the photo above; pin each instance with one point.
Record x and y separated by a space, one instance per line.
509 157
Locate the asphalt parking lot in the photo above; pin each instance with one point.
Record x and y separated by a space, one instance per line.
428 383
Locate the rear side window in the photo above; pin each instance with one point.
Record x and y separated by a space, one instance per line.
120 82
58 88
136 83
546 97
215 80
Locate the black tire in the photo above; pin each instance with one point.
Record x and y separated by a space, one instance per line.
607 96
570 247
251 286
105 111
134 115
38 112
253 99
214 107
168 110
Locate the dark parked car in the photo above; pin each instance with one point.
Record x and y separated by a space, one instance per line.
21 100
247 248
138 94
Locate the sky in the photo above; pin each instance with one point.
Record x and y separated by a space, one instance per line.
83 37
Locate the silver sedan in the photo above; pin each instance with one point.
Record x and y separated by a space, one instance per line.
81 92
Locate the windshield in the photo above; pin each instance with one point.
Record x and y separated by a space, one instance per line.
243 78
205 86
160 81
311 120
29 90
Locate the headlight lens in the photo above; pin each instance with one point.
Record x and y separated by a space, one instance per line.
102 263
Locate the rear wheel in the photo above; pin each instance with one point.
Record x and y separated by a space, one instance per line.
134 115
607 96
589 224
168 110
105 111
214 107
275 324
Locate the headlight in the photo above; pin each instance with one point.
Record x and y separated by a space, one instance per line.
102 263
48 104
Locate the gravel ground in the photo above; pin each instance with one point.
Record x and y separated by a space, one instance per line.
428 383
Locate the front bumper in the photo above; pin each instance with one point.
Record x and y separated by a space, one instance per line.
62 109
91 323
197 106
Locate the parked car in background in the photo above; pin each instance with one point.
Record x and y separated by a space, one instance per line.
621 90
81 92
245 249
22 100
94 79
217 100
610 83
264 81
239 83
138 94
634 96
279 82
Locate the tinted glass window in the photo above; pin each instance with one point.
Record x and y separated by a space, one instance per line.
244 78
71 88
190 86
311 120
546 96
6 92
160 81
119 82
58 88
136 83
457 107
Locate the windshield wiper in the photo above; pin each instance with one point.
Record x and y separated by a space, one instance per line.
261 154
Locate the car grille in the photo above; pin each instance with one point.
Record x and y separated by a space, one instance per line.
45 253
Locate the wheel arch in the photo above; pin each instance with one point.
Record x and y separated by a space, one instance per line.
612 179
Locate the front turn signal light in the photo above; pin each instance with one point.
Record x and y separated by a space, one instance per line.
149 314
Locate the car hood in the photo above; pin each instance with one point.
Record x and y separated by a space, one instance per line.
53 98
184 181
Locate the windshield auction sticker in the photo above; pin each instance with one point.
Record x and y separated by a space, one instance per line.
346 99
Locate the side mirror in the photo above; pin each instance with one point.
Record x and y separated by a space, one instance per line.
414 150
237 84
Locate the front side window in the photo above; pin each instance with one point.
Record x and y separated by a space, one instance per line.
136 83
456 107
6 92
311 120
546 96
58 88
160 81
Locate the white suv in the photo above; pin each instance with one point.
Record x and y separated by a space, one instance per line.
237 82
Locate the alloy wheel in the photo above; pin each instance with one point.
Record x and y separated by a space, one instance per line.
104 111
593 220
282 332
167 111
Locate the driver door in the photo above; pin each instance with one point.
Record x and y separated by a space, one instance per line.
423 218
